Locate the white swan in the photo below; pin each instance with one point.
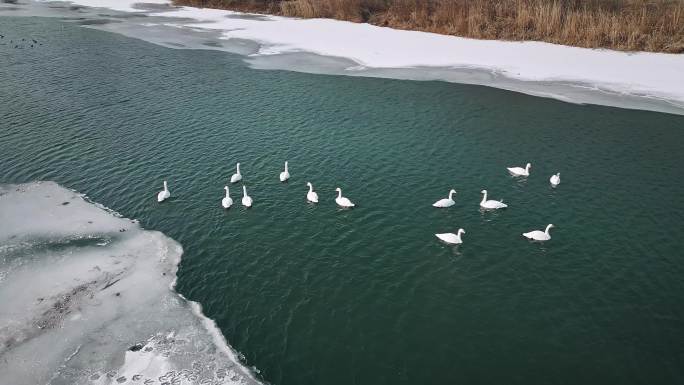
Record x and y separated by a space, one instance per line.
538 235
164 194
342 201
446 202
246 199
227 201
237 176
451 238
311 196
285 175
555 180
519 171
491 204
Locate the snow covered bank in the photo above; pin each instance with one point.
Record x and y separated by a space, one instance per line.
543 69
87 298
660 75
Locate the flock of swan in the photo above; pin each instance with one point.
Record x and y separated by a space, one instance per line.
343 202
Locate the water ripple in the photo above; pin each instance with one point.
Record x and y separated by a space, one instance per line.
313 294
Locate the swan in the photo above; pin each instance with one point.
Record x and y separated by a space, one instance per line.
311 196
285 175
519 171
237 176
164 194
451 238
491 204
446 202
538 235
555 180
227 201
342 201
246 199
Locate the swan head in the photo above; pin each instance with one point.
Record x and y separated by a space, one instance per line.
452 191
339 190
558 175
225 188
527 166
309 184
244 189
483 192
461 231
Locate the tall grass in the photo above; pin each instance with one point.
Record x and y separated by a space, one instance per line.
633 25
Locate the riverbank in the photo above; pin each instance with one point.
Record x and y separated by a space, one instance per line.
571 74
647 81
631 25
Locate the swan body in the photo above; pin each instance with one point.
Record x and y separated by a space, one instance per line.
555 180
519 171
451 238
446 202
311 196
237 176
491 204
164 194
538 235
285 175
246 199
342 201
227 201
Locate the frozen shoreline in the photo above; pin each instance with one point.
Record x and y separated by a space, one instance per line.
88 298
380 47
642 80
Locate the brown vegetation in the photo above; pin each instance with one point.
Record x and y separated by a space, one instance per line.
634 25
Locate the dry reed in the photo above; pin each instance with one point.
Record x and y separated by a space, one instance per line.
632 25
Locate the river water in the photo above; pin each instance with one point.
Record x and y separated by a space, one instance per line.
317 295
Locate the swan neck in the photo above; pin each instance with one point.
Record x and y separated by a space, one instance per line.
227 192
310 187
285 166
166 186
238 168
484 197
451 194
548 228
244 190
339 193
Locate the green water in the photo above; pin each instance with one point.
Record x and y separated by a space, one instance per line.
315 295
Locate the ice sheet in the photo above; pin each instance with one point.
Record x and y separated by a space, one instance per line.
87 297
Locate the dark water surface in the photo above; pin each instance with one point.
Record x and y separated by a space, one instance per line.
315 295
